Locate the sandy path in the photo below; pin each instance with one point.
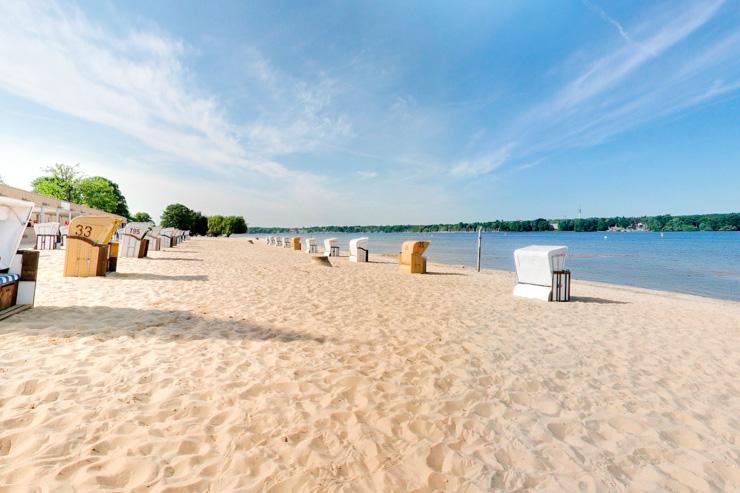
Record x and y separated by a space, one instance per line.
221 365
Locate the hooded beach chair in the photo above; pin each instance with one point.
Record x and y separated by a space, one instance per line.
311 245
277 241
155 240
358 251
88 252
18 269
166 234
287 243
47 235
133 240
411 259
331 249
295 243
541 274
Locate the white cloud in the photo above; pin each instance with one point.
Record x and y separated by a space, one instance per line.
483 164
366 175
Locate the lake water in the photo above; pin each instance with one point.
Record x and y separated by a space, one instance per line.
701 263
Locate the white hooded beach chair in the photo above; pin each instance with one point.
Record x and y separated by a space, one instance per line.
46 235
133 240
311 245
358 251
277 241
331 249
18 269
286 242
166 234
154 239
536 269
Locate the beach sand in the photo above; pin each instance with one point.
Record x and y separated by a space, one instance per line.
222 365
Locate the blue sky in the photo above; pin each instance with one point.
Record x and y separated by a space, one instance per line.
295 113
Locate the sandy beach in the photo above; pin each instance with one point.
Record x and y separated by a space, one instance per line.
222 365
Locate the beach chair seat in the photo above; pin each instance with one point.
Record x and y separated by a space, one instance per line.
331 248
311 245
411 259
88 251
9 278
540 272
358 250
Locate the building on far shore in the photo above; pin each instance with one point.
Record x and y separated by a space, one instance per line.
49 209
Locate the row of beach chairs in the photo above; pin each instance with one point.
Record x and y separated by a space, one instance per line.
411 259
89 243
540 269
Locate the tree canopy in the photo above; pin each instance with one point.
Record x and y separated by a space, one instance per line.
177 216
700 222
228 225
61 182
141 217
65 182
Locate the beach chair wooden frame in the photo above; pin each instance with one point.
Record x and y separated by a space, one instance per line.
18 268
411 259
88 250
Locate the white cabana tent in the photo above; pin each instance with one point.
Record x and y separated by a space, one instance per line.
14 217
46 235
133 243
311 245
358 251
331 249
535 265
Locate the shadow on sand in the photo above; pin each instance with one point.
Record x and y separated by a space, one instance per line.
113 322
597 301
140 276
179 259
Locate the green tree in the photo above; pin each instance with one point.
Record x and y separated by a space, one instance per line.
200 224
61 182
177 216
216 225
234 225
98 193
141 217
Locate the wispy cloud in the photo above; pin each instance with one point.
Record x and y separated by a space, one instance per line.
624 86
366 175
483 164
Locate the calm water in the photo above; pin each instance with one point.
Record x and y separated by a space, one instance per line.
705 264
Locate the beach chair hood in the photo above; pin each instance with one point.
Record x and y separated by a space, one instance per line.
14 216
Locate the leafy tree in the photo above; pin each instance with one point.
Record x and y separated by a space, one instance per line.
234 225
97 192
177 216
61 182
141 217
200 224
216 225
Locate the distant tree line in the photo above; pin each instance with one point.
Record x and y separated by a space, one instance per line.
182 217
699 222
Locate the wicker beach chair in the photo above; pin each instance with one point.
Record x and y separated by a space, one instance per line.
411 258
